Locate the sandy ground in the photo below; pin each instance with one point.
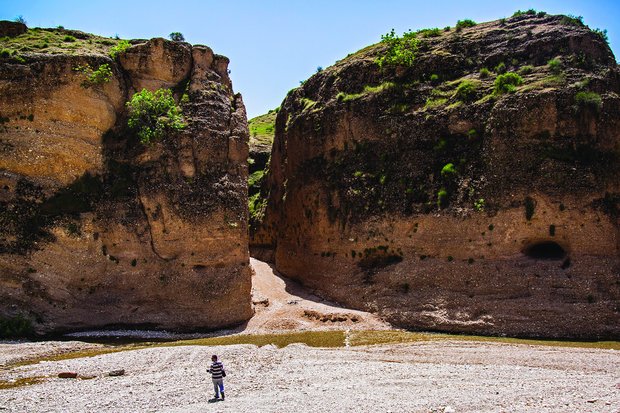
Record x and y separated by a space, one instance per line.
283 305
446 376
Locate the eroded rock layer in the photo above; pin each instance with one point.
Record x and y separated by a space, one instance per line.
97 229
430 195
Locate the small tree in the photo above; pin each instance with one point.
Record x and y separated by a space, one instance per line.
153 114
401 51
20 19
177 37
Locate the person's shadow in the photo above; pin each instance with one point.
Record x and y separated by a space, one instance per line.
214 400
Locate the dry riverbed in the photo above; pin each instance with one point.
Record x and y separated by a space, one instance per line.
347 369
425 376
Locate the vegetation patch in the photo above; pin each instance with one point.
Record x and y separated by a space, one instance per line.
368 90
52 41
466 91
176 37
570 20
309 338
530 12
154 114
401 50
95 76
507 83
448 170
424 33
479 204
602 34
119 48
462 24
16 327
442 198
435 102
256 205
554 66
21 382
589 99
262 128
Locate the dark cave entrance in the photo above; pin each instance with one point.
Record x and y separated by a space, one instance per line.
545 250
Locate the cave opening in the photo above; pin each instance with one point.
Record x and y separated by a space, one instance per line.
545 250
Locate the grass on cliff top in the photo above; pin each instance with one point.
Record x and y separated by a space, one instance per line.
57 41
263 129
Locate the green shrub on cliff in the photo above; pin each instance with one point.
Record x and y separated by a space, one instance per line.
442 198
256 206
448 170
95 77
603 34
461 24
176 37
119 48
434 32
507 83
401 50
570 20
466 91
589 99
153 114
530 12
555 66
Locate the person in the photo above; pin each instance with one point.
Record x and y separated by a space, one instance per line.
217 375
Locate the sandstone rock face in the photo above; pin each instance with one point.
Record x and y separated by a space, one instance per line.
97 229
392 191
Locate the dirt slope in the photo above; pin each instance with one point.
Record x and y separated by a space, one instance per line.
283 305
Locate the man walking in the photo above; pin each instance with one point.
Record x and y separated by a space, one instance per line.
217 375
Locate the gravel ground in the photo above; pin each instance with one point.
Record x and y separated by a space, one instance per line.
451 376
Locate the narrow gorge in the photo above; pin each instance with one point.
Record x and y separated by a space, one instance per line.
460 180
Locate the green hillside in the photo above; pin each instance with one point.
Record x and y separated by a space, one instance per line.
262 129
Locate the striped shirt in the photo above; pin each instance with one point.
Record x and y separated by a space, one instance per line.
216 370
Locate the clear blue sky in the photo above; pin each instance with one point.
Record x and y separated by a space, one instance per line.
273 44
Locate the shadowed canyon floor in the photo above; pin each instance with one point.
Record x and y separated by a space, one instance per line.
430 375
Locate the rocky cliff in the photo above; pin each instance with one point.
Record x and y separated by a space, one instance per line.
98 229
463 180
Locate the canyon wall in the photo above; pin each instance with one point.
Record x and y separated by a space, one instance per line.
100 230
427 193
